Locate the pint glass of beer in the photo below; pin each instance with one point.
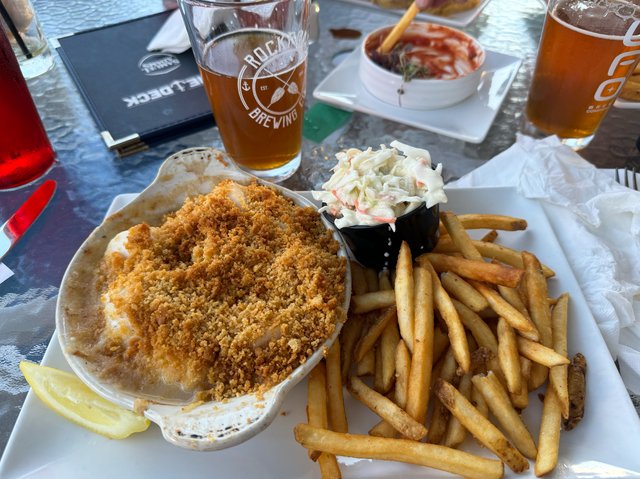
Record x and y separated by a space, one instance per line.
252 56
587 50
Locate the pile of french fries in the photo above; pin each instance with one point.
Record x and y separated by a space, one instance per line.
449 344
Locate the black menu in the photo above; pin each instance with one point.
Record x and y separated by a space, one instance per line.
137 97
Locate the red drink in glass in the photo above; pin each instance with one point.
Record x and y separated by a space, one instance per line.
25 151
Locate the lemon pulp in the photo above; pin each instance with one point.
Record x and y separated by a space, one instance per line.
71 398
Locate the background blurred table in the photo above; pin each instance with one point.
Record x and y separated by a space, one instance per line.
89 176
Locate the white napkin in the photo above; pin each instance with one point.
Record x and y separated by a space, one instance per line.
600 237
172 36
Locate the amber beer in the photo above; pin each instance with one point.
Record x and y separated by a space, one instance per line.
255 82
584 56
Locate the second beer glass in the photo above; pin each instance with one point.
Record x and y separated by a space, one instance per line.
587 50
252 57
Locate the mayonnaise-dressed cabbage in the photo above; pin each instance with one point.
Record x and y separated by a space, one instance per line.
377 186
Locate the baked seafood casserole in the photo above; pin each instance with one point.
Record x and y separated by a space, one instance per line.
224 297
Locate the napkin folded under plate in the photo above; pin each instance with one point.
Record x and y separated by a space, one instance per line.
600 233
172 36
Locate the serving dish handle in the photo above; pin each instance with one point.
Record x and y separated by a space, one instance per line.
217 425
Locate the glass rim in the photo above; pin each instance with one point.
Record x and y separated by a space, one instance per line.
550 11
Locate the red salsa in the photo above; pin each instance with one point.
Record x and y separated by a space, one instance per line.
428 51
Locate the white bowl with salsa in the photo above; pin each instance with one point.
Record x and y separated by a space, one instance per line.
430 67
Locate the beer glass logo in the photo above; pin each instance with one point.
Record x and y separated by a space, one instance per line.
270 81
609 89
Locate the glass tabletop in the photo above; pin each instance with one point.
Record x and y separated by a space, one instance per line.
89 176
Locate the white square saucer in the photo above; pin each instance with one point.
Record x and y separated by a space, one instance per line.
468 120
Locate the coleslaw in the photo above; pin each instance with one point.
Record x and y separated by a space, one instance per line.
374 187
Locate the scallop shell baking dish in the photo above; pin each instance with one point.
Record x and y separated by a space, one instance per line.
212 425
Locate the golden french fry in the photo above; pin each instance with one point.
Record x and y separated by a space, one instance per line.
363 303
459 236
367 366
481 428
490 237
549 437
317 401
477 221
520 399
457 336
508 356
403 368
477 399
377 325
329 466
558 375
473 345
402 450
358 281
517 321
335 398
522 291
371 278
384 280
459 289
500 405
348 337
377 374
422 360
512 296
383 429
388 345
540 354
396 32
456 432
539 310
491 251
440 414
480 331
476 270
387 410
404 294
448 368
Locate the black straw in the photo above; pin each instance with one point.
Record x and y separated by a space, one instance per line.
14 31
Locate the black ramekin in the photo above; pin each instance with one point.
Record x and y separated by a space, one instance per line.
377 246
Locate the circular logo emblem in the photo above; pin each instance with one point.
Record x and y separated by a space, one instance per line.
271 82
276 94
158 64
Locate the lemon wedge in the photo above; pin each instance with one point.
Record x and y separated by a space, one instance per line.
71 398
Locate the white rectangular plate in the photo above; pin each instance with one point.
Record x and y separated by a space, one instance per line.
626 104
468 120
459 19
605 444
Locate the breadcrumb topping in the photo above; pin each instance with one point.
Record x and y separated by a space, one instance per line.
229 295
